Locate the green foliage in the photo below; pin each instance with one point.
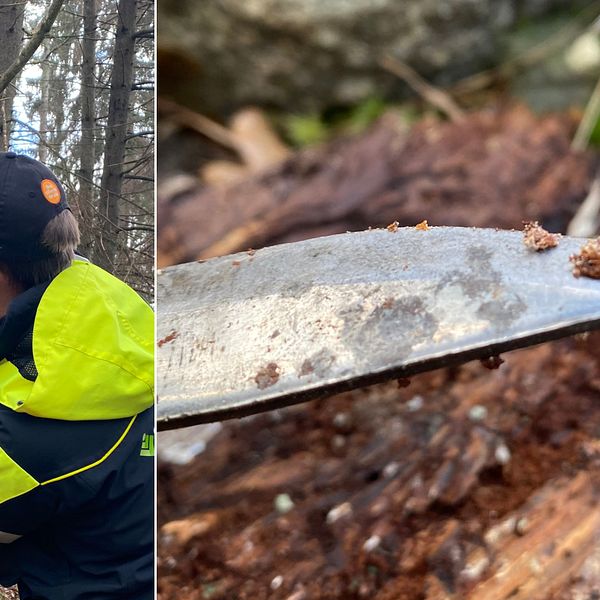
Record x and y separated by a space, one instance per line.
315 128
305 130
362 115
595 137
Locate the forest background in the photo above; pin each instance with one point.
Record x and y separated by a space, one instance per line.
76 92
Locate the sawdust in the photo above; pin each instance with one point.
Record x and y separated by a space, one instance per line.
537 238
587 262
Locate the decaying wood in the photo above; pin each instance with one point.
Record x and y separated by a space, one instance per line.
470 484
541 548
447 173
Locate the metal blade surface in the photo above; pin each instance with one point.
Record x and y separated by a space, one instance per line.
253 331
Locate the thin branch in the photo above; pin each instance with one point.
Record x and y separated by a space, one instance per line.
139 178
188 118
59 167
434 96
146 86
531 57
144 33
140 134
149 228
32 44
588 121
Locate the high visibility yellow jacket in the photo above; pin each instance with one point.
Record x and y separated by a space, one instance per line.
76 439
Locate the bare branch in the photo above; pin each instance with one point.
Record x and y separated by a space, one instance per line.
588 122
435 96
139 178
32 45
144 33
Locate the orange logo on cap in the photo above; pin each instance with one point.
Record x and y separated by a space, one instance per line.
50 191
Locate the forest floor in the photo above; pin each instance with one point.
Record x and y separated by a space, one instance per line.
468 483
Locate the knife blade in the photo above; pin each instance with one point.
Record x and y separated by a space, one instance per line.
250 332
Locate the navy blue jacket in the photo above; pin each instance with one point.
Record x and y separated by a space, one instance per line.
86 530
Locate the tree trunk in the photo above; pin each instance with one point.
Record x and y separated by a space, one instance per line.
116 133
87 155
11 35
43 111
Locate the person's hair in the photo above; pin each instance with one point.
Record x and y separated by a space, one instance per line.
61 237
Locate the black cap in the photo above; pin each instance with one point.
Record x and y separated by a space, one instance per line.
30 197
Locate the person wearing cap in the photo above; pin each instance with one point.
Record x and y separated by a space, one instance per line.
76 407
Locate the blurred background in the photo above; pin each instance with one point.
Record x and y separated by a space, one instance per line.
281 120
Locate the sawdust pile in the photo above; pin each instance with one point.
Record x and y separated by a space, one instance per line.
537 238
587 262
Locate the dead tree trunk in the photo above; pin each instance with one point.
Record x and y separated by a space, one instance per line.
116 133
87 100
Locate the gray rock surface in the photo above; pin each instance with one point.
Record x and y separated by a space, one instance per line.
219 55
